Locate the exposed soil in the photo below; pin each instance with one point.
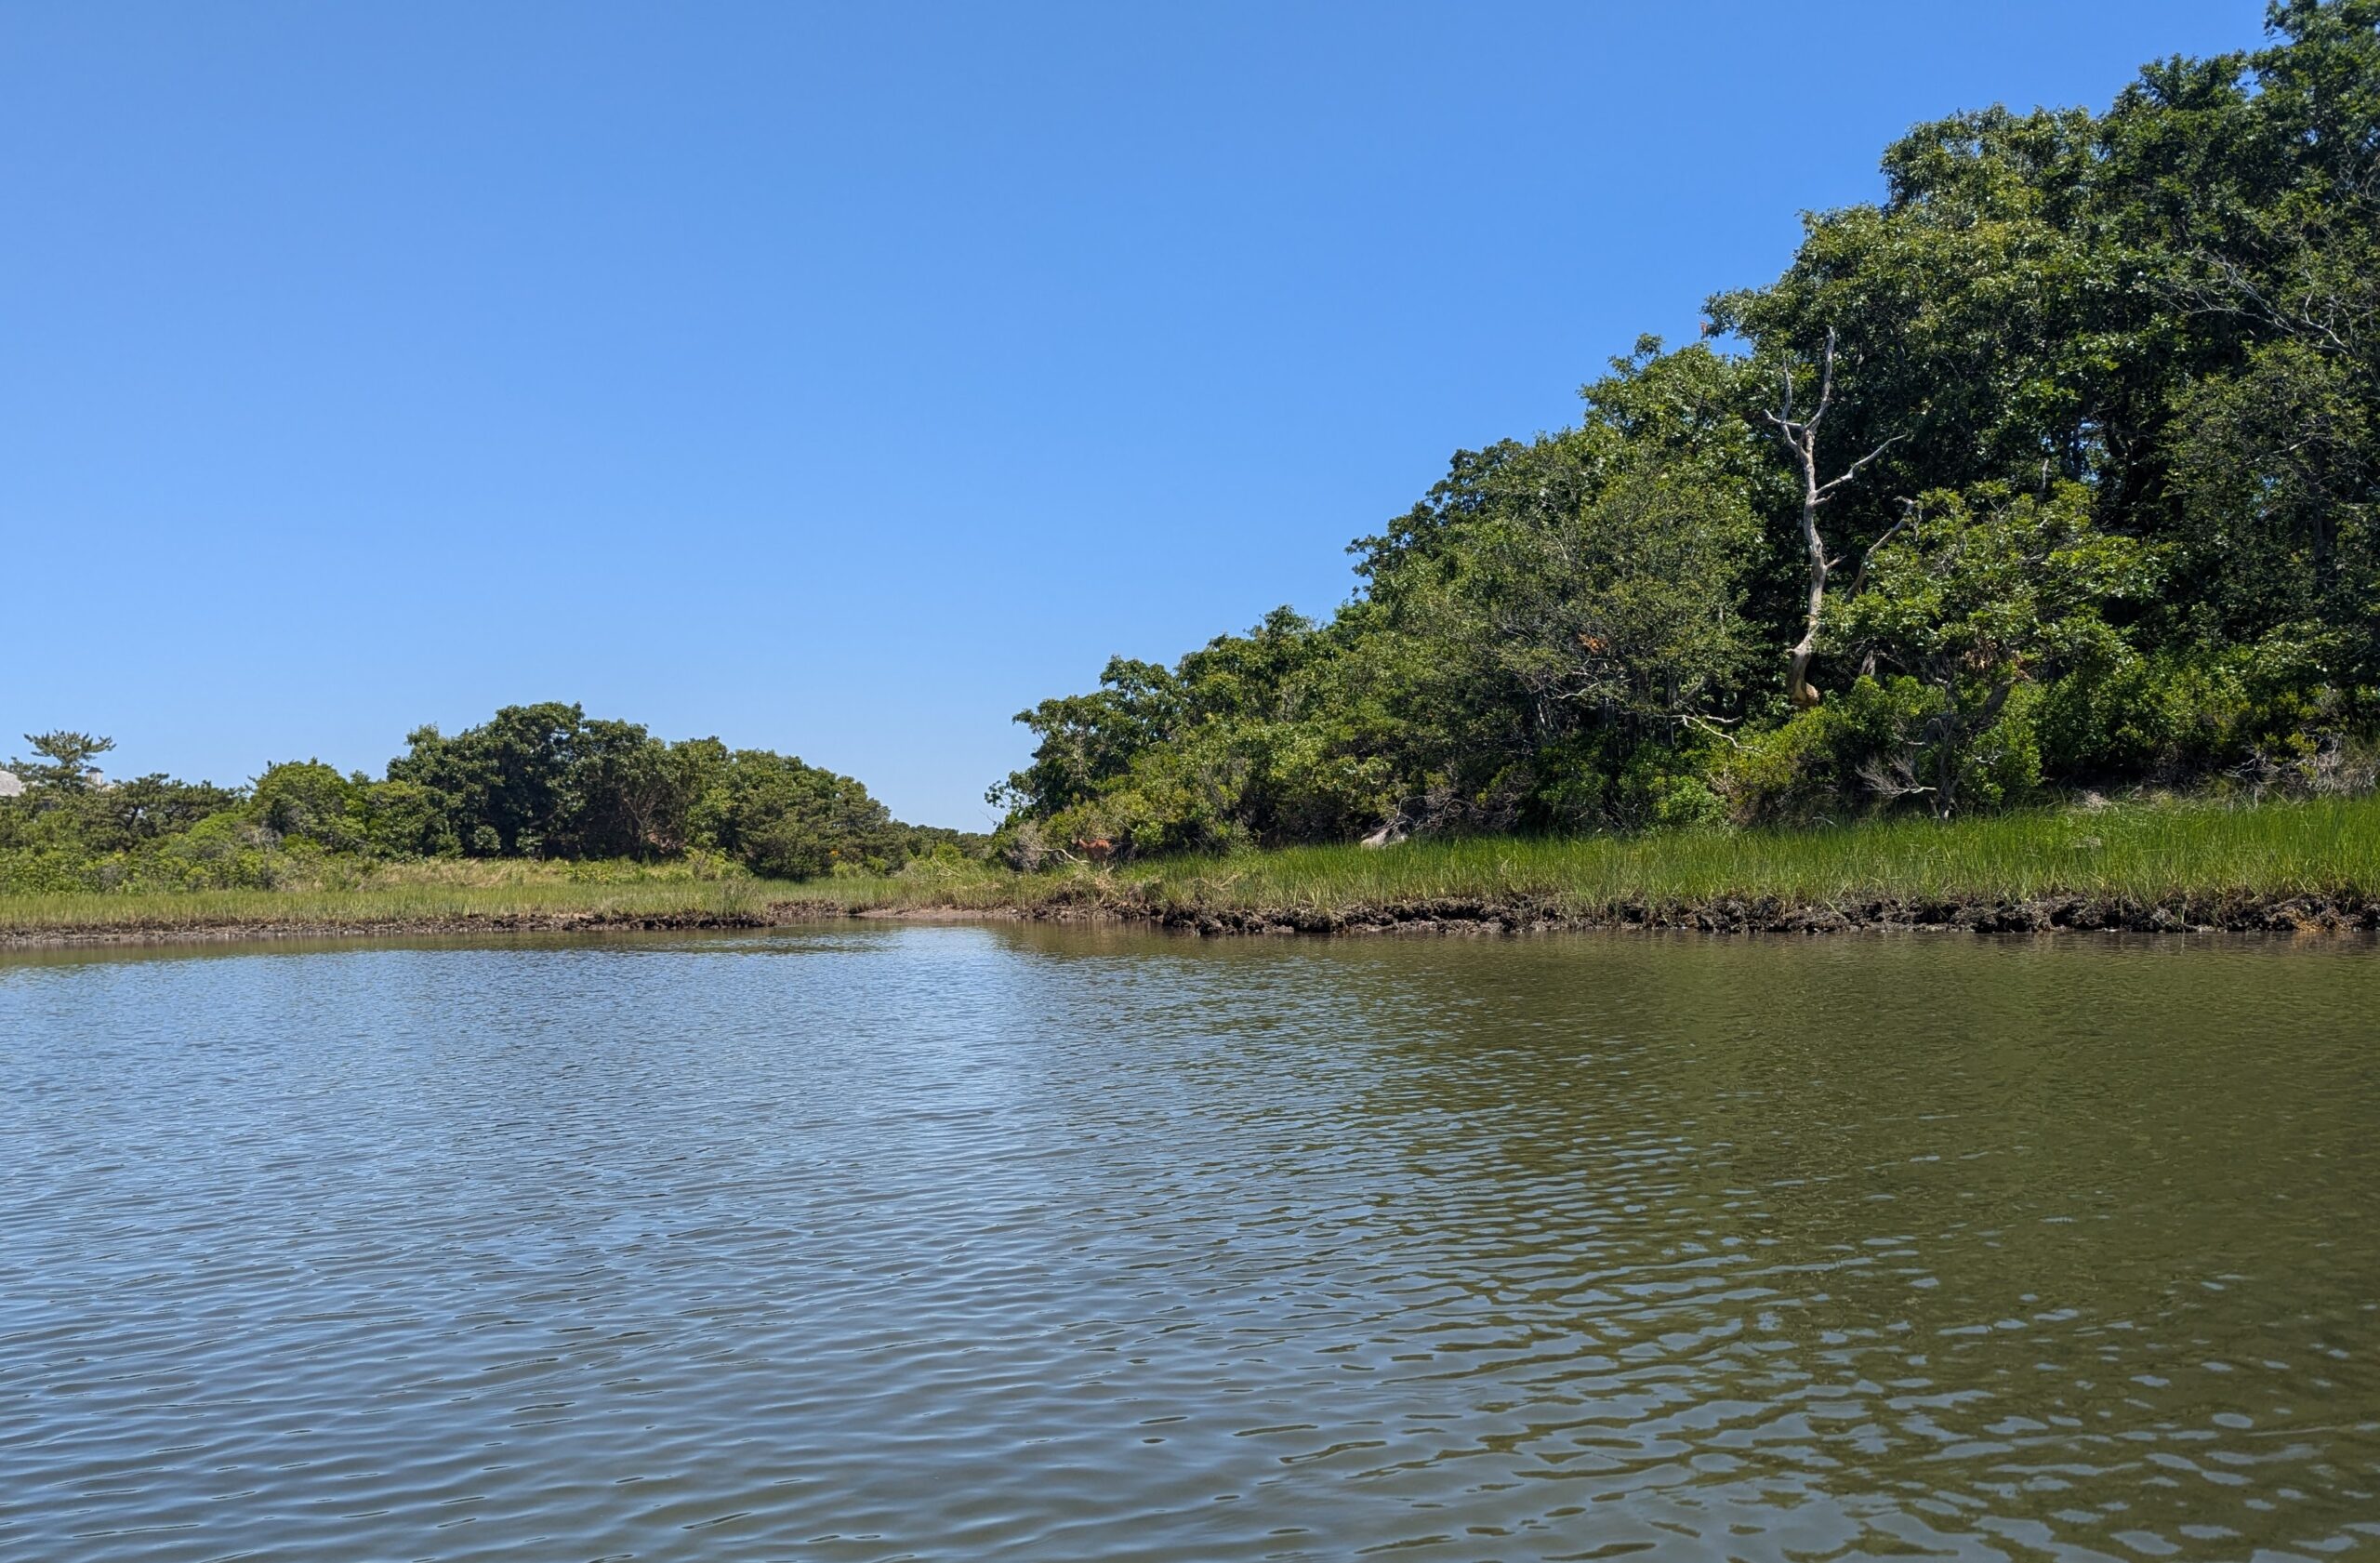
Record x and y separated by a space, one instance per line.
2238 913
526 923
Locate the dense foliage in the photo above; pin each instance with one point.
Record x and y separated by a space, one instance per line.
542 781
2059 467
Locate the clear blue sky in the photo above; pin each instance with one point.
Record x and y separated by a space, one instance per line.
842 379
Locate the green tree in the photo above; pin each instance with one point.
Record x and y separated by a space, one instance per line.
65 766
1088 741
2277 474
783 819
307 801
1973 595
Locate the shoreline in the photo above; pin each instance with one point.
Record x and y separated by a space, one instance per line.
2213 912
2310 867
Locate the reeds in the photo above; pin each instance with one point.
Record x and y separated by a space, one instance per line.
2146 852
428 901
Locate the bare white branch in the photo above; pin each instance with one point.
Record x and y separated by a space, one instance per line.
1800 437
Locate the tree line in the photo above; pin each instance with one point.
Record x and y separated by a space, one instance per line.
537 781
2057 467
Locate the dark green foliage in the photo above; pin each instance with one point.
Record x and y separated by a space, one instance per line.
64 766
121 817
1975 598
307 801
545 781
70 828
517 786
2275 472
786 820
534 781
2121 375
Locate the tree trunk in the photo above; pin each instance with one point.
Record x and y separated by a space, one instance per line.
1798 687
1800 437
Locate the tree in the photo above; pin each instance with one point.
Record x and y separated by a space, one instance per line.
1087 741
65 764
2277 474
1800 437
147 809
514 785
2159 324
1977 594
788 820
307 801
623 793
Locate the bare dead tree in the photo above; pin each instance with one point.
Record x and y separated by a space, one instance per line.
1891 777
1800 437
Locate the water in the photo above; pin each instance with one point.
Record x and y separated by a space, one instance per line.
991 1243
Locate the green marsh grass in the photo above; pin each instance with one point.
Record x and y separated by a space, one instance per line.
2149 854
416 895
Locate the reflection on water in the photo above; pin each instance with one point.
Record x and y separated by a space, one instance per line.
960 1243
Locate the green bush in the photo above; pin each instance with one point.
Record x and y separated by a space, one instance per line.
1837 758
2175 716
309 801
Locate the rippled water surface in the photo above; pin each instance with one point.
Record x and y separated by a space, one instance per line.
967 1243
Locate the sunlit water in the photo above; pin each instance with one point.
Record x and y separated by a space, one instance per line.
967 1243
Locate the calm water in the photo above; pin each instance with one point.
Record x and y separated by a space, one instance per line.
969 1243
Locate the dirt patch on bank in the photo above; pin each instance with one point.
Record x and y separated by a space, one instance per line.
366 928
2209 914
1771 915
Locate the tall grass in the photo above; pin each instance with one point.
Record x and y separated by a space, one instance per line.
428 899
2146 854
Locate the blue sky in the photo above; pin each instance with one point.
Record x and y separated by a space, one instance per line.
841 380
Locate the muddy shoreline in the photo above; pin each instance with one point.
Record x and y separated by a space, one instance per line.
2209 914
2236 913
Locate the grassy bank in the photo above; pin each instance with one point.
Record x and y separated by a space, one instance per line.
2202 863
427 896
2282 864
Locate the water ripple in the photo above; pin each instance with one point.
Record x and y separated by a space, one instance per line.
963 1243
